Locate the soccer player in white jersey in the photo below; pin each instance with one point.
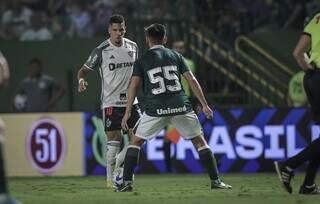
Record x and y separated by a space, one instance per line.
114 59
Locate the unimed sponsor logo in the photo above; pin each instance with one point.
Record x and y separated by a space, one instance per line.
46 145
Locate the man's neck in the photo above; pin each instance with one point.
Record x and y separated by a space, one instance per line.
119 44
155 45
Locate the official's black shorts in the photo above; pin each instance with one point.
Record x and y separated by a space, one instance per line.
112 117
311 83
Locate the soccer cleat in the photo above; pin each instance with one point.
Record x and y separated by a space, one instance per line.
110 184
218 184
285 176
312 190
125 188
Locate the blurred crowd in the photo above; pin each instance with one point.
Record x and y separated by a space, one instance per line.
46 19
229 18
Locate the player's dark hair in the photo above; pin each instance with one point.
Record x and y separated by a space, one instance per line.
156 31
35 61
116 19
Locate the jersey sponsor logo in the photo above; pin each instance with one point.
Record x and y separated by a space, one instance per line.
113 66
112 57
121 103
171 110
46 145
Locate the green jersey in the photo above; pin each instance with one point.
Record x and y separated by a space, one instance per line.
160 69
313 30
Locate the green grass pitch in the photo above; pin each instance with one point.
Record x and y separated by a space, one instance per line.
154 189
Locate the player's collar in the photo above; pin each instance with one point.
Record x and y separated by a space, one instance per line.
156 46
109 40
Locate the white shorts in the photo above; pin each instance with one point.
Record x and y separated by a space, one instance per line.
187 124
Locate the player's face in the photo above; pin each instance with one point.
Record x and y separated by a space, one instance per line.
116 31
179 47
34 70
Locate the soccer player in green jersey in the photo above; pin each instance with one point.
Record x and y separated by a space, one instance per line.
309 43
159 70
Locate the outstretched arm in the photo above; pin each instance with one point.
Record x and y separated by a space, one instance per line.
197 90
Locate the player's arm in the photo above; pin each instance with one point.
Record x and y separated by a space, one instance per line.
132 93
4 71
197 90
92 62
300 49
82 83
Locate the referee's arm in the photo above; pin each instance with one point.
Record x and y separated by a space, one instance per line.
300 49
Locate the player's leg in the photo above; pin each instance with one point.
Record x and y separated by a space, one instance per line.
286 169
132 123
147 128
121 155
4 194
130 162
312 89
208 161
3 183
113 131
190 128
112 148
309 186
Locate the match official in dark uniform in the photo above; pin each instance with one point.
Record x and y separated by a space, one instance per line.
307 54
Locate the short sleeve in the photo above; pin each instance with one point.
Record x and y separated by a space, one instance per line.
94 59
310 23
183 67
137 69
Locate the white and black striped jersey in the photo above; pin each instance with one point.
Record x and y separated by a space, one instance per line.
115 65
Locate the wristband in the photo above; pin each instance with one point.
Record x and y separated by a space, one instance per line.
80 80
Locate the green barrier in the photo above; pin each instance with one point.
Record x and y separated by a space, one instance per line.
62 59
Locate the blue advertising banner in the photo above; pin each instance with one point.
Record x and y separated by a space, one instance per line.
243 140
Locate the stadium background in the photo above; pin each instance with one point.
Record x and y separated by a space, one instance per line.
242 51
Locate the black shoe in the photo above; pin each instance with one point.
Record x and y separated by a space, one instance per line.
125 188
313 190
285 176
